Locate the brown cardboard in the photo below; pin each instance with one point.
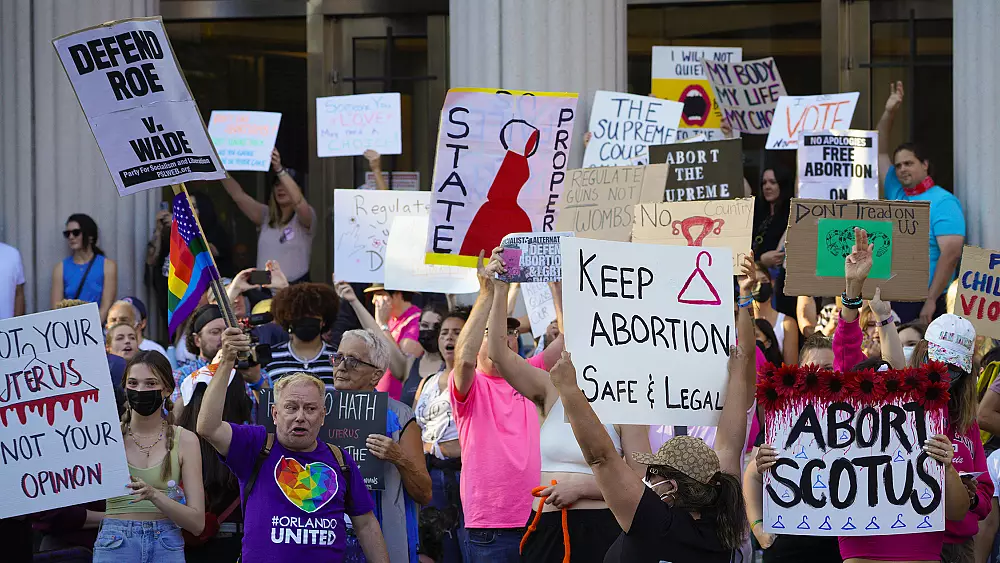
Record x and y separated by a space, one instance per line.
911 222
597 203
979 290
714 223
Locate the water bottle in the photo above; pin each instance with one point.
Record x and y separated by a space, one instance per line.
175 492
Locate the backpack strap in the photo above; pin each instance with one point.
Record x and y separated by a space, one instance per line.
265 450
344 470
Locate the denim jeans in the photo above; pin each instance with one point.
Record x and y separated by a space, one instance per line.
454 542
494 545
134 541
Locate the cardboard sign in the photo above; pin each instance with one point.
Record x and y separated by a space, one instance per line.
649 328
795 114
244 139
715 224
405 269
821 233
60 437
678 75
622 126
700 171
853 468
598 202
351 416
402 181
747 92
138 105
350 125
532 257
838 164
361 223
541 308
500 168
979 290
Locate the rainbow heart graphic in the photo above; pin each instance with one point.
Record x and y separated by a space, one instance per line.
308 487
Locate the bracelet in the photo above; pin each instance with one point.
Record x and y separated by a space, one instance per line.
755 522
886 321
744 299
850 303
281 172
745 305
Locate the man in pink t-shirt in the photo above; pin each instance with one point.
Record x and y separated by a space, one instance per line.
400 320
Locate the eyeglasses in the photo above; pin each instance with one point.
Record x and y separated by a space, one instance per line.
350 362
72 233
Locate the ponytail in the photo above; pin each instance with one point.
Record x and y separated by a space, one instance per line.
730 510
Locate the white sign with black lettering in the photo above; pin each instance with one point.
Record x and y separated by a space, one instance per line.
650 328
540 306
838 164
143 116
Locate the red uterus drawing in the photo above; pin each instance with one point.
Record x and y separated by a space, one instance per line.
501 215
708 226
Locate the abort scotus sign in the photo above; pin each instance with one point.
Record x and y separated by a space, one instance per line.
143 116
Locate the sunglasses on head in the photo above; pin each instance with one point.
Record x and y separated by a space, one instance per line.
350 362
72 233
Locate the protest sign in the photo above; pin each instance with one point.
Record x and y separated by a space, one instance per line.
979 290
795 114
677 74
244 139
138 105
541 308
850 451
838 164
531 257
622 126
598 202
500 168
403 181
746 92
361 223
351 416
715 224
821 234
61 441
698 171
405 269
650 329
350 125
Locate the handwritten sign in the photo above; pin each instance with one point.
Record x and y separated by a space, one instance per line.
500 169
541 308
361 223
678 75
979 290
532 257
598 202
700 171
350 125
351 416
60 438
403 181
405 269
650 328
138 105
795 114
853 467
244 139
624 125
809 258
714 224
747 92
838 164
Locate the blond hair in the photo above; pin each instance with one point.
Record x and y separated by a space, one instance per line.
111 329
69 303
295 378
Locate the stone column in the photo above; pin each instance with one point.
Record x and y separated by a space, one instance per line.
50 166
976 84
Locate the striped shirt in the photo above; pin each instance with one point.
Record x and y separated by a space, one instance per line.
284 361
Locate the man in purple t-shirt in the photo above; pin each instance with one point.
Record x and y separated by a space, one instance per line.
296 507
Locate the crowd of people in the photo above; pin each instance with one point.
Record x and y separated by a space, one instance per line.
492 452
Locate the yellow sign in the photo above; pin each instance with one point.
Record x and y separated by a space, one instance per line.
678 75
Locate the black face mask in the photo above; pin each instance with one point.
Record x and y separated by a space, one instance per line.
955 376
762 293
144 403
428 339
307 329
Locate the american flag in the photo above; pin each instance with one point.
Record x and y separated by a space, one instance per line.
191 265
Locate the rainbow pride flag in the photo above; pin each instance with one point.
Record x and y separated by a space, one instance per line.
191 266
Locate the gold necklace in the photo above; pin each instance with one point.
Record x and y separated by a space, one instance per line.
146 449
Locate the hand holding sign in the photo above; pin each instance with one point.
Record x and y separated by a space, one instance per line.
563 374
940 448
385 448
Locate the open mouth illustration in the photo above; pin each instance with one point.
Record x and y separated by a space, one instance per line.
696 106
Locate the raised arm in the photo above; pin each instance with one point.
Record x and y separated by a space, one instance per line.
211 427
253 209
397 360
471 337
110 289
375 164
302 209
806 315
892 349
884 127
553 350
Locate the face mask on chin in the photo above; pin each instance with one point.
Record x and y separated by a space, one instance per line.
307 329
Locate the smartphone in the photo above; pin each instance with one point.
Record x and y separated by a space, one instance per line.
260 277
164 206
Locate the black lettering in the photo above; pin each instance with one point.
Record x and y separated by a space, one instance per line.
931 484
796 496
871 463
840 466
807 422
833 425
806 481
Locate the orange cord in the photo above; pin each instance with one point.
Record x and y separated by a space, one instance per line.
537 492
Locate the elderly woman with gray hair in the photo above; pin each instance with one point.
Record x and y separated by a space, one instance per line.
360 361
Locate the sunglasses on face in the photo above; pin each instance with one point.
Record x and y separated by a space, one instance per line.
72 233
350 362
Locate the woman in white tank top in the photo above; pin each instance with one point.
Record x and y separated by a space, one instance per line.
786 329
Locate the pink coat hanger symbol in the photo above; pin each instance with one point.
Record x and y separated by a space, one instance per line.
704 279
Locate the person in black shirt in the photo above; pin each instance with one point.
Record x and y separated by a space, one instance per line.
305 311
689 508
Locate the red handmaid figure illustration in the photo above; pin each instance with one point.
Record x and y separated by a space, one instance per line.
501 215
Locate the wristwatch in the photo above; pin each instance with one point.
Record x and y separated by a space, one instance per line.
384 327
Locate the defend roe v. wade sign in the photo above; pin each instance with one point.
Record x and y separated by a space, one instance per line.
851 461
60 440
650 329
140 110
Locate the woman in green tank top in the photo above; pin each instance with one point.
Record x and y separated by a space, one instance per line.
166 491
